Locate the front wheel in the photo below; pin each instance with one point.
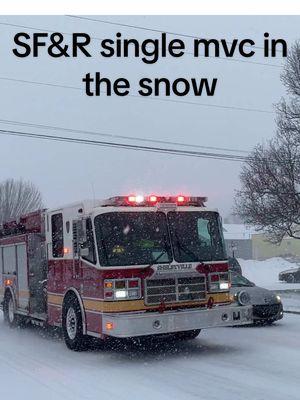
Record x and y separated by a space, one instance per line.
290 278
72 325
187 335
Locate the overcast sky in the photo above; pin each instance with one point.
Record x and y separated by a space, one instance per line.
69 172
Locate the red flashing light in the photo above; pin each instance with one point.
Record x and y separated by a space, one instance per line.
180 199
135 199
153 199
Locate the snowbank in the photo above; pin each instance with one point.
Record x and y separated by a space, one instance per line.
265 273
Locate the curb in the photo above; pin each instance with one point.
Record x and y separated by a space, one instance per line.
291 312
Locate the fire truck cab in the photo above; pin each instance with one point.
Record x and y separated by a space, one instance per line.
127 266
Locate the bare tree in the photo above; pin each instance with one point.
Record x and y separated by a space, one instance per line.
18 197
270 179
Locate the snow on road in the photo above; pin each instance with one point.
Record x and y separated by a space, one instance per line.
227 363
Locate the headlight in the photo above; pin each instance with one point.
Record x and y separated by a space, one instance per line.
120 294
122 289
224 285
278 298
243 298
218 281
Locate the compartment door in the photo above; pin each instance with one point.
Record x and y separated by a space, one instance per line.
22 274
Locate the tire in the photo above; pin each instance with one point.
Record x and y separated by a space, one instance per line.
270 321
72 325
10 317
187 335
290 279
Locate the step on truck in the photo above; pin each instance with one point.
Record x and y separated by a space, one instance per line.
124 267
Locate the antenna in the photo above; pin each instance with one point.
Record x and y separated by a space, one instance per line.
93 192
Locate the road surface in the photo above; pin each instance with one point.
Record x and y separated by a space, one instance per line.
257 363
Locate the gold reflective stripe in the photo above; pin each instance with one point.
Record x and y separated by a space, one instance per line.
55 299
220 297
116 306
133 305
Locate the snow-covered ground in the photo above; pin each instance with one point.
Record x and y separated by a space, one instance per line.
265 273
229 364
225 363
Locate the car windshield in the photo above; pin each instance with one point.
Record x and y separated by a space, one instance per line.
196 236
239 280
132 238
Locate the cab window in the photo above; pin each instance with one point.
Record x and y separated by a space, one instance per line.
9 260
91 257
57 235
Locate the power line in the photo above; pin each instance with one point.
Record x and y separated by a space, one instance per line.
215 156
219 106
4 78
98 38
114 136
185 153
145 28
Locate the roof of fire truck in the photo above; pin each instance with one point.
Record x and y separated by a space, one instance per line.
136 201
32 222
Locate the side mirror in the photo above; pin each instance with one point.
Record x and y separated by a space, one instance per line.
84 251
79 236
81 231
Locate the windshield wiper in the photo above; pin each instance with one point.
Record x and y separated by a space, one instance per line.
163 252
157 258
185 249
105 251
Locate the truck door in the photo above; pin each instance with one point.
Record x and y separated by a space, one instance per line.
37 273
22 274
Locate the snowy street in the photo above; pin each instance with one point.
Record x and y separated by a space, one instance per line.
228 363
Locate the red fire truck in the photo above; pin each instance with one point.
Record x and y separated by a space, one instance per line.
127 266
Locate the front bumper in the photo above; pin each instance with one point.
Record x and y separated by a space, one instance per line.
154 323
267 312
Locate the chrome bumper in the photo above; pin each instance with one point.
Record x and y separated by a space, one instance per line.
153 323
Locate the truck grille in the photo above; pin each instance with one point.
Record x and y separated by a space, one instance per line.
172 290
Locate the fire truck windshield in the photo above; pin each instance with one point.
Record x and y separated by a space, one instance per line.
142 238
132 238
196 236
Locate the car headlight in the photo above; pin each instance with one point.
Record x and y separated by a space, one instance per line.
278 298
243 298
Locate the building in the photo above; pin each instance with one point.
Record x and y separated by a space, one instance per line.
238 240
244 241
262 249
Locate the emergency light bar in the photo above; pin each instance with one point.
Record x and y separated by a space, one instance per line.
153 200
